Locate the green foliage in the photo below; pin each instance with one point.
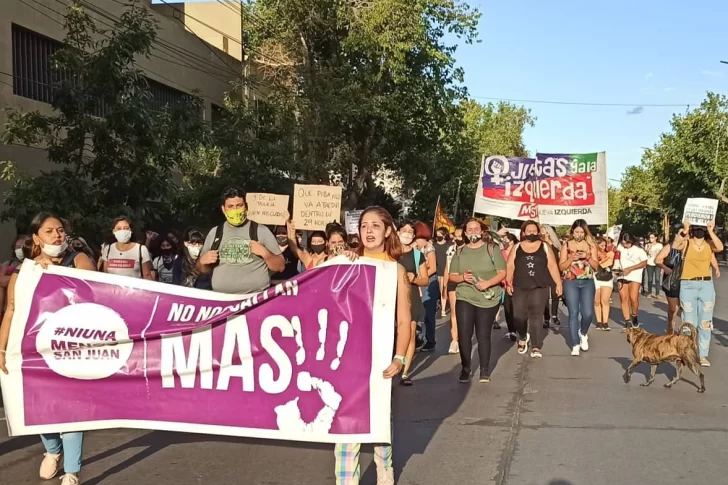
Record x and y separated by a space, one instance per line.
112 153
689 161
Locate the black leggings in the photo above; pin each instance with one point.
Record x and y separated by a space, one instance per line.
528 306
508 310
481 319
554 307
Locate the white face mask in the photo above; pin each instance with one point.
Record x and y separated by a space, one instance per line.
54 250
406 239
194 250
19 254
123 236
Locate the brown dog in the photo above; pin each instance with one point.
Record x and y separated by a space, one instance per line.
655 349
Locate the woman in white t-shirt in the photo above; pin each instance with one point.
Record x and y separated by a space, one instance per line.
126 258
653 271
633 260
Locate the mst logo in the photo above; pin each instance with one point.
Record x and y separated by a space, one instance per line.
529 210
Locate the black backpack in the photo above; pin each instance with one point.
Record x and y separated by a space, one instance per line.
204 281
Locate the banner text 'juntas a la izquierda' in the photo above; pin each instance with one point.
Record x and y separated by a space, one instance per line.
92 351
554 189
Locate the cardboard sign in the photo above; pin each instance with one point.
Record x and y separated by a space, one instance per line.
269 209
700 211
314 206
614 232
351 221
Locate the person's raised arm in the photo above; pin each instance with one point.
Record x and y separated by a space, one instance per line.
6 322
303 256
715 243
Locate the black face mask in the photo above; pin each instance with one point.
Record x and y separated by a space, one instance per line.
282 240
354 244
318 248
531 237
459 242
440 238
698 232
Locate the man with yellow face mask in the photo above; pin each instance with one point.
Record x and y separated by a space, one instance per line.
240 254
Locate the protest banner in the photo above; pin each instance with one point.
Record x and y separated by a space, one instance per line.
553 189
269 209
300 361
351 221
315 206
700 211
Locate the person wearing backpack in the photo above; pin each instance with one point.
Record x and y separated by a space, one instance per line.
126 257
413 261
49 247
239 255
478 270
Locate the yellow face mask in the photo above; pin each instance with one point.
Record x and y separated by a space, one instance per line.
236 217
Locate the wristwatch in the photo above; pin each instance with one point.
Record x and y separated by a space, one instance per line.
401 358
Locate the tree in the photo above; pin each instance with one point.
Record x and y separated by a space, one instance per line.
113 152
484 129
372 86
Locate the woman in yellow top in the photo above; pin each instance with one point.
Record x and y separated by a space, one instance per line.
697 294
379 240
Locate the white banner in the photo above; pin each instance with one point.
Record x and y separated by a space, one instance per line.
699 211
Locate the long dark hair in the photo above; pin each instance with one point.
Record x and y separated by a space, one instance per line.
35 226
392 245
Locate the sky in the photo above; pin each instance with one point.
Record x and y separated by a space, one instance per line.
626 52
632 52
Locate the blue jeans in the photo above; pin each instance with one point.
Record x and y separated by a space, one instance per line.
430 297
70 444
579 296
697 299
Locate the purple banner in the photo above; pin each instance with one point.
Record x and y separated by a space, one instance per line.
90 350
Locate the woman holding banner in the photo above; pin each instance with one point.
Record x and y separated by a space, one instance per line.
697 293
49 247
380 241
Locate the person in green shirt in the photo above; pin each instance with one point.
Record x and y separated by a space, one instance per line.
478 270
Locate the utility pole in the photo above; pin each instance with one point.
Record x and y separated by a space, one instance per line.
243 56
457 201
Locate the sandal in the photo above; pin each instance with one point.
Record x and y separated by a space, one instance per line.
524 349
536 353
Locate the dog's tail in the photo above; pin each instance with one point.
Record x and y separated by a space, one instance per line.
689 330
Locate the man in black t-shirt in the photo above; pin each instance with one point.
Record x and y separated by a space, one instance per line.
441 246
291 268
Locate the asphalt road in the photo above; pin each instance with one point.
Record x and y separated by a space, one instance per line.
560 420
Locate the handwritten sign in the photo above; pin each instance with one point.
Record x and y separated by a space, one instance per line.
614 232
314 206
351 219
700 211
267 208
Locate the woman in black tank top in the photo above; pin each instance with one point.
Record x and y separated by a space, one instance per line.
531 271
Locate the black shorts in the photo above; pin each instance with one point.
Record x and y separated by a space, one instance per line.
671 294
451 286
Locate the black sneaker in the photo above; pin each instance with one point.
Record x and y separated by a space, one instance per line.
627 324
428 347
635 321
496 326
546 324
464 377
556 322
606 327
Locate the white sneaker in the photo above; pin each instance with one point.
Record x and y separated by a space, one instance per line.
575 350
454 347
385 476
583 342
70 479
49 466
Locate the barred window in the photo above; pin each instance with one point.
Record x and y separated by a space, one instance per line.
163 96
33 74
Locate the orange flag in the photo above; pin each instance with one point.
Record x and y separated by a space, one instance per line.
441 219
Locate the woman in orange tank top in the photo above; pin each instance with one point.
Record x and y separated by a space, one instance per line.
697 293
379 240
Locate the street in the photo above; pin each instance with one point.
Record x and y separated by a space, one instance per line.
560 420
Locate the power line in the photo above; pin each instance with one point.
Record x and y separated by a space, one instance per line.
578 103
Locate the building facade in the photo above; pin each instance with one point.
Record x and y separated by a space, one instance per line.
30 32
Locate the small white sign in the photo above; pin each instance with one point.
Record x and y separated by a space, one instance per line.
351 219
699 211
614 232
